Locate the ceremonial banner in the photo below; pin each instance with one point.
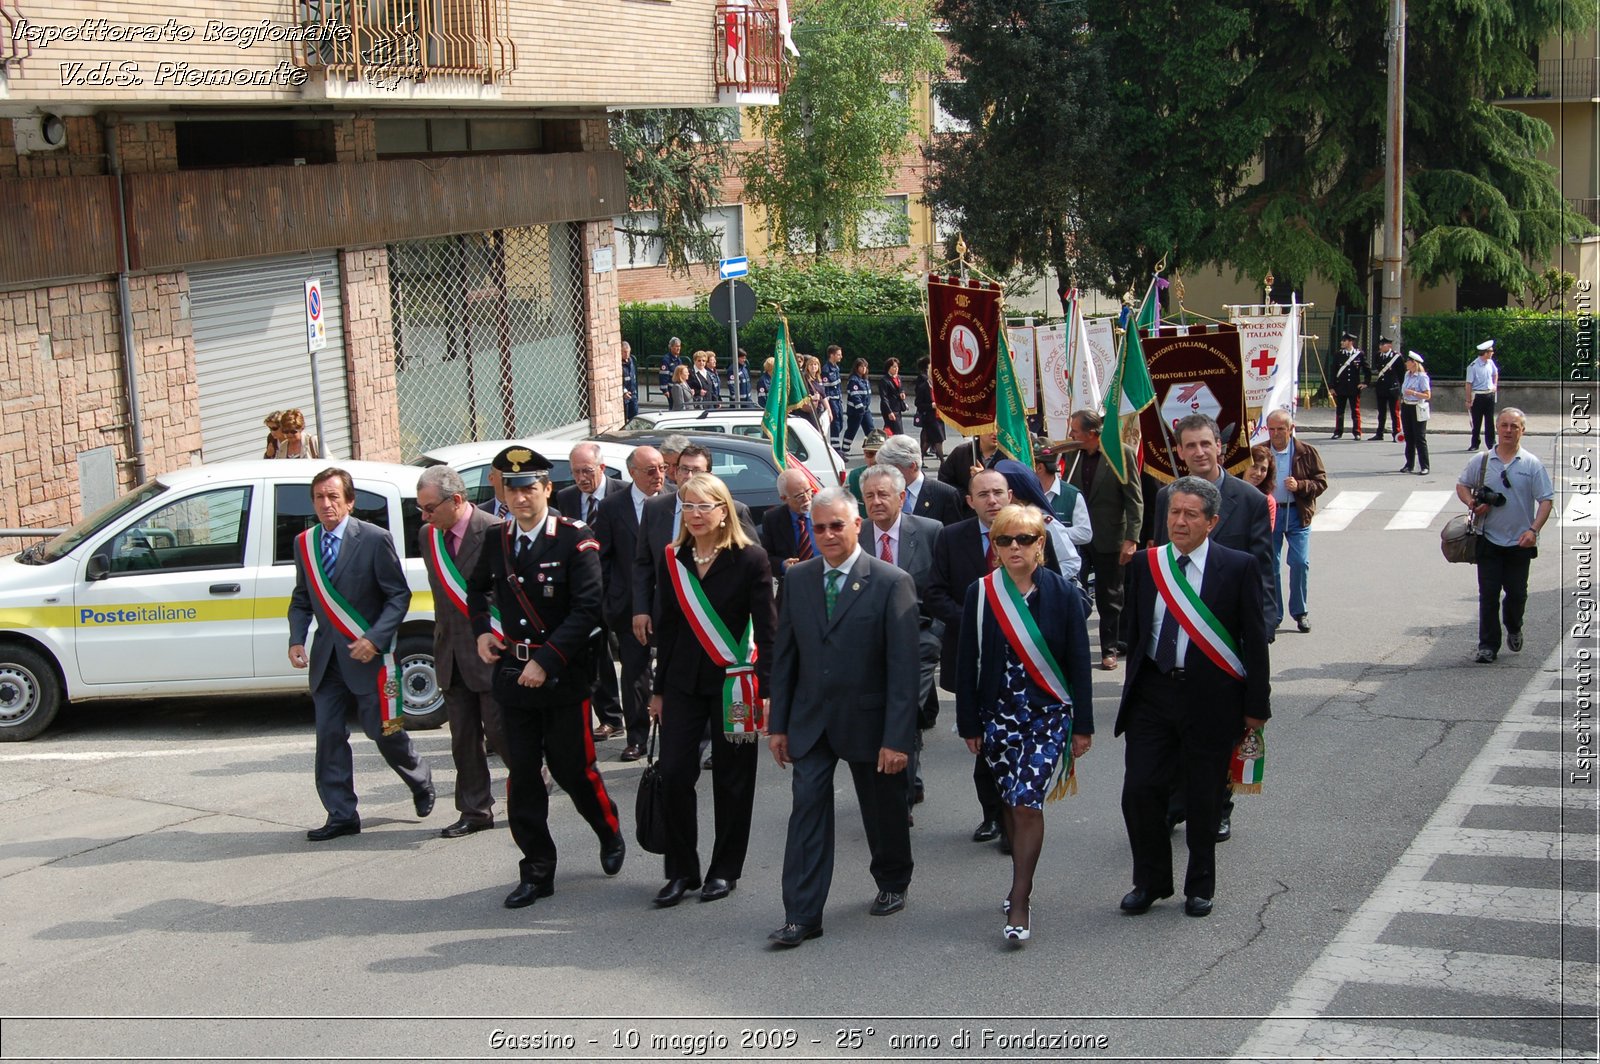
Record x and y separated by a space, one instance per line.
1055 379
963 344
788 393
1010 422
1195 370
1283 384
1096 357
1129 389
1021 339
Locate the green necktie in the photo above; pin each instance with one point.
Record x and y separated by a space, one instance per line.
830 591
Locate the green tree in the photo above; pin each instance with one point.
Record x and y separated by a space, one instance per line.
675 161
830 147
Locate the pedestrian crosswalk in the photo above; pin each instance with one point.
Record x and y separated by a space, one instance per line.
1409 511
1481 943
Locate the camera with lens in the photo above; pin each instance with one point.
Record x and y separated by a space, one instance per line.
1487 496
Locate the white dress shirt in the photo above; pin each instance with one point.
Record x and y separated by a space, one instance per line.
894 541
1195 576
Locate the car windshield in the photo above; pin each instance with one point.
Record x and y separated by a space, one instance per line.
63 544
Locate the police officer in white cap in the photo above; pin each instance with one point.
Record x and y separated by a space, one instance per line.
1483 381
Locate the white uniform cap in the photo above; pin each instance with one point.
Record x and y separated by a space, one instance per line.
1487 345
1418 359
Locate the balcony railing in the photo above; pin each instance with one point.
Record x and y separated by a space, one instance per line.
381 40
749 48
1566 79
1589 208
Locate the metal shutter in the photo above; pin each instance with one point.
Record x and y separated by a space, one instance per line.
250 353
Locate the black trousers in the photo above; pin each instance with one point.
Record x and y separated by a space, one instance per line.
988 791
1416 436
1108 579
1339 403
607 705
634 657
1483 415
1388 405
557 735
1502 571
1166 742
733 788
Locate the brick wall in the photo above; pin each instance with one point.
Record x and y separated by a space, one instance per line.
355 140
369 355
163 345
147 147
603 331
82 156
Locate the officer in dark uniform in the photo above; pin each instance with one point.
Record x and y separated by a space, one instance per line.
831 378
630 383
1388 375
1348 371
543 571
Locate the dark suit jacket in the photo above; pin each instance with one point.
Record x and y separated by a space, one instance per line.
957 562
569 500
655 532
1244 525
938 501
956 469
777 536
455 648
1116 510
981 675
1232 589
739 588
852 677
369 576
617 530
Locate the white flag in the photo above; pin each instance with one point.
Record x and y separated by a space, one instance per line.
1278 365
1055 379
1020 338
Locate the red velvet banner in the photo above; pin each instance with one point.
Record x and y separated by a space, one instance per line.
963 344
1196 372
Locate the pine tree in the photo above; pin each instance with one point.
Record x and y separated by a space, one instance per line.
675 159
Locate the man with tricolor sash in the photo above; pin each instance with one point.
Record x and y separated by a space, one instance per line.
454 536
1197 683
349 580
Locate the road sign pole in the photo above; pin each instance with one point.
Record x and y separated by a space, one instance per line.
733 361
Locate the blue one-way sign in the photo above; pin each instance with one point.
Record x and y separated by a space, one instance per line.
733 267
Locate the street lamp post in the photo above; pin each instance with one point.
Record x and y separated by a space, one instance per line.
1394 174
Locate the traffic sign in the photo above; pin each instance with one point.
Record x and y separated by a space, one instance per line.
743 298
733 267
316 328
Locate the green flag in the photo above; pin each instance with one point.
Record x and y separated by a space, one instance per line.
1130 383
788 392
1010 413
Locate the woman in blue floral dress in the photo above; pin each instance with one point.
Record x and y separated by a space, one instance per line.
1024 690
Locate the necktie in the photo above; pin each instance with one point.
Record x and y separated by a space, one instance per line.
989 555
909 504
593 506
453 542
1167 638
830 591
884 552
802 550
330 552
524 546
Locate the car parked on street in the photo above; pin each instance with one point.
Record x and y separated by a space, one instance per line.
472 460
805 441
744 464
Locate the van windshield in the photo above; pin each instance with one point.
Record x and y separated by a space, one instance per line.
58 548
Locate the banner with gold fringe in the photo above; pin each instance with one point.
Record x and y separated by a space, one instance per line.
1249 763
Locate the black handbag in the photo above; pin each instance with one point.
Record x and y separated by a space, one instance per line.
650 806
1458 540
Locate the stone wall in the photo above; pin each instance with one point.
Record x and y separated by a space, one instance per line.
369 355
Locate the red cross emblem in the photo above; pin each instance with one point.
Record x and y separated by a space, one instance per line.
1263 362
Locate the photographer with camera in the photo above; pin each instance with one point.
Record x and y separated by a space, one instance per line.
1510 492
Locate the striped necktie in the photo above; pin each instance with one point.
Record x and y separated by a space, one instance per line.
802 550
330 552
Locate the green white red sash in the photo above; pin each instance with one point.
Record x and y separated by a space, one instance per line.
1249 765
444 570
1205 631
742 717
1022 632
350 624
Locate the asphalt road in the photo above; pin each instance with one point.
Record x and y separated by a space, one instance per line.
154 864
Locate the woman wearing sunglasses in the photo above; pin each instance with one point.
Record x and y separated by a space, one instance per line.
713 646
1024 690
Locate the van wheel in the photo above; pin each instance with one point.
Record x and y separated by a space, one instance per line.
424 700
30 694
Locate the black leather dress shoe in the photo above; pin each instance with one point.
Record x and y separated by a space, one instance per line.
717 889
887 903
987 831
611 855
673 892
1485 655
464 827
1139 900
1197 906
423 800
333 829
791 935
1225 829
1514 642
1376 436
631 753
528 893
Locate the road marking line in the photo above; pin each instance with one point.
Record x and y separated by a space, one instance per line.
1418 511
1536 979
1492 842
1338 512
1580 511
1492 902
1545 797
1320 1039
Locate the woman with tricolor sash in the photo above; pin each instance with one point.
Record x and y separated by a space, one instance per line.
714 629
1024 691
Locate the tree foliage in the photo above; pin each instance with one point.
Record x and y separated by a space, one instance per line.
829 288
675 160
830 147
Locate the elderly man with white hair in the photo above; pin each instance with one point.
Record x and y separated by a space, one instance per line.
932 499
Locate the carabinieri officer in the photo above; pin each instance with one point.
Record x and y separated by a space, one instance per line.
544 570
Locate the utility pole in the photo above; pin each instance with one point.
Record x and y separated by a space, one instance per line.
1394 175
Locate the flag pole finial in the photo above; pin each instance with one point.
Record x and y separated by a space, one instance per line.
1268 282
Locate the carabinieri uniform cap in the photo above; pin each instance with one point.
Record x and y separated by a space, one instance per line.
1413 356
521 467
1384 340
1487 345
1348 336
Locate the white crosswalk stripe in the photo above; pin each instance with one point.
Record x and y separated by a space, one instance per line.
1361 511
1580 511
1418 510
1338 512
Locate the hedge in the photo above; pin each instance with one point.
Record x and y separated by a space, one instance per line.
1528 345
874 337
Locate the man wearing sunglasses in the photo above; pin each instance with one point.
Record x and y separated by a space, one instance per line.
1512 505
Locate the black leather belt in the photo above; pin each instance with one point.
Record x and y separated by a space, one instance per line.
1153 670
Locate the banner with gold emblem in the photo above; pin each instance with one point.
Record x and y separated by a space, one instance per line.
963 346
1196 369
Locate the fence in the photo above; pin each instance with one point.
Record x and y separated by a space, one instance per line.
874 337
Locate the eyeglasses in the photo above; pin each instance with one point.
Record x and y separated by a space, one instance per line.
700 507
834 527
427 511
1021 539
799 493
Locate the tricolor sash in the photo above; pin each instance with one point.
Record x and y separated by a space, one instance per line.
350 624
444 568
1205 631
742 717
1022 633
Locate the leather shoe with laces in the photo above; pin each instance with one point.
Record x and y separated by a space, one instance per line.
1196 906
1224 829
1514 642
887 903
423 799
333 829
987 831
717 889
1139 900
604 732
674 890
791 935
611 855
464 827
528 893
632 753
1485 655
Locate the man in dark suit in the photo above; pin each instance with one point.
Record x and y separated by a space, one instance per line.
495 505
1116 510
1196 682
957 468
542 574
906 540
924 497
786 530
581 501
616 526
347 557
841 610
450 543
